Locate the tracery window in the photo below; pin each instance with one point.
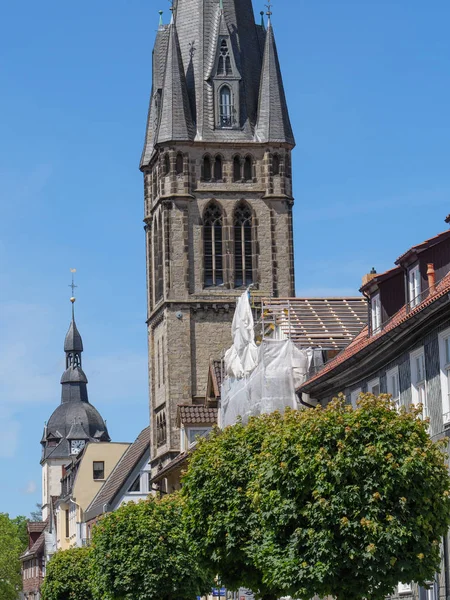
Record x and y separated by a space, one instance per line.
225 107
243 269
218 168
237 168
207 173
179 164
224 66
213 247
248 168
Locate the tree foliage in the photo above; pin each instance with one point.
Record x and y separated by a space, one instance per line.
67 576
219 512
141 552
12 544
331 501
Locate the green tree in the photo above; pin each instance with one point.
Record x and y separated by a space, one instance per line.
67 576
220 515
141 552
344 502
11 547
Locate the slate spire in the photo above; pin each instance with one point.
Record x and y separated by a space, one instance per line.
175 119
273 124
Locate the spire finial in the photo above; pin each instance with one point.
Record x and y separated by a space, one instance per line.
161 12
263 25
221 4
269 12
73 286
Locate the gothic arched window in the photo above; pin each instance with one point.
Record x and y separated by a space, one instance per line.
248 168
225 108
212 245
275 165
237 168
207 174
243 269
218 168
179 164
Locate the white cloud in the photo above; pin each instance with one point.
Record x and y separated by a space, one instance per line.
30 488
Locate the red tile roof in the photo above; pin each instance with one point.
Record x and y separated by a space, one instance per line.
190 414
363 340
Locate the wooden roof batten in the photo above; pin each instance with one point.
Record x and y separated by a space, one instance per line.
326 323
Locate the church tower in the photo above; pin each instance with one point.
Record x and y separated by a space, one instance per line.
74 423
218 195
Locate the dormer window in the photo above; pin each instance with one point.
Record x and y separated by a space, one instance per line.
414 286
225 107
375 306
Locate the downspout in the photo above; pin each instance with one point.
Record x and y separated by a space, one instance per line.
446 568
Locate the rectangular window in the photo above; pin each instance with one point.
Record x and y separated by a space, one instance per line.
373 386
444 360
418 380
393 386
99 469
354 396
136 485
414 286
66 514
375 304
194 432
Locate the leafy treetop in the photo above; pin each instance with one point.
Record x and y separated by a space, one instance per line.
332 501
67 576
141 552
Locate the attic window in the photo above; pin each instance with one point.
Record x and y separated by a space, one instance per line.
224 65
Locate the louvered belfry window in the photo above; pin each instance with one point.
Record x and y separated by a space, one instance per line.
243 269
213 247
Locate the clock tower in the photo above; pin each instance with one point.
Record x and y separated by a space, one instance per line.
73 424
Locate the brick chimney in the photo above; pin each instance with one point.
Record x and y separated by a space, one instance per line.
369 276
431 278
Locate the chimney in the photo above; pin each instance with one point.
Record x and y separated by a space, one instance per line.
369 276
431 278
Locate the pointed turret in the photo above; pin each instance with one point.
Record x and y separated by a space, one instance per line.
175 119
75 418
273 123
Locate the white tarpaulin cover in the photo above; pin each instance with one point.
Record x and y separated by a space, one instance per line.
240 359
259 379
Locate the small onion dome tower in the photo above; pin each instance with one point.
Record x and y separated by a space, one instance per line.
75 422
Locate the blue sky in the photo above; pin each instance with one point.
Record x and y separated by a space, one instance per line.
369 95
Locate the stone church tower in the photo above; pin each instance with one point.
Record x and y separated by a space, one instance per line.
218 195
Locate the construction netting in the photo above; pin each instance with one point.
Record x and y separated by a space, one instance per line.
259 379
